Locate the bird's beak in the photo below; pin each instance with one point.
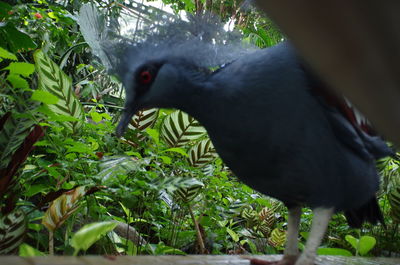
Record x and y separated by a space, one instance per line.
125 119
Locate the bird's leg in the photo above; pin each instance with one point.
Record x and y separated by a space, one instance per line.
291 252
318 228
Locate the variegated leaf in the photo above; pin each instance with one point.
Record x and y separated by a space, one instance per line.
268 216
394 201
118 165
62 207
277 238
202 153
12 135
179 129
144 119
208 170
264 229
188 194
251 217
13 228
57 83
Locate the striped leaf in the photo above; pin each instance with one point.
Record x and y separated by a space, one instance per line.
117 165
235 208
144 119
57 83
264 229
251 217
208 170
179 129
202 153
277 238
171 184
188 194
62 207
13 228
394 201
268 216
12 135
140 121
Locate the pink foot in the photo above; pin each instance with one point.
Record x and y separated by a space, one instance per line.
287 260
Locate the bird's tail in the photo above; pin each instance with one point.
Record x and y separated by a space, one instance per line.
369 212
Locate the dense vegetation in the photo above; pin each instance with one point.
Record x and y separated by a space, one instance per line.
67 184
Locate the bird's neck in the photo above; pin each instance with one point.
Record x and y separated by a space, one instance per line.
202 102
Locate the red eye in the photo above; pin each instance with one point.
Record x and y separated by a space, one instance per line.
145 77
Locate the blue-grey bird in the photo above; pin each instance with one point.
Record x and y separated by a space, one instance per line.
278 129
271 120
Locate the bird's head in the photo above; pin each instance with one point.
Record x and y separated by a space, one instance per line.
162 83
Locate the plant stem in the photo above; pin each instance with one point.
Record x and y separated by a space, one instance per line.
198 233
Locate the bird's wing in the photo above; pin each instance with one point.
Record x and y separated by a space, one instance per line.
351 127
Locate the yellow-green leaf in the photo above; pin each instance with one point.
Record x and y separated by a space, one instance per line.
7 55
44 96
17 68
89 234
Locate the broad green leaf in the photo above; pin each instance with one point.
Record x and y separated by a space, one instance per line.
35 189
352 240
13 39
166 159
26 250
7 55
17 81
189 5
78 147
233 234
56 82
365 244
334 252
96 117
44 96
154 134
4 9
52 15
177 150
89 234
17 68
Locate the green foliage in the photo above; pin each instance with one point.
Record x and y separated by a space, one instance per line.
163 179
26 250
179 129
334 252
89 234
362 245
12 231
58 86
